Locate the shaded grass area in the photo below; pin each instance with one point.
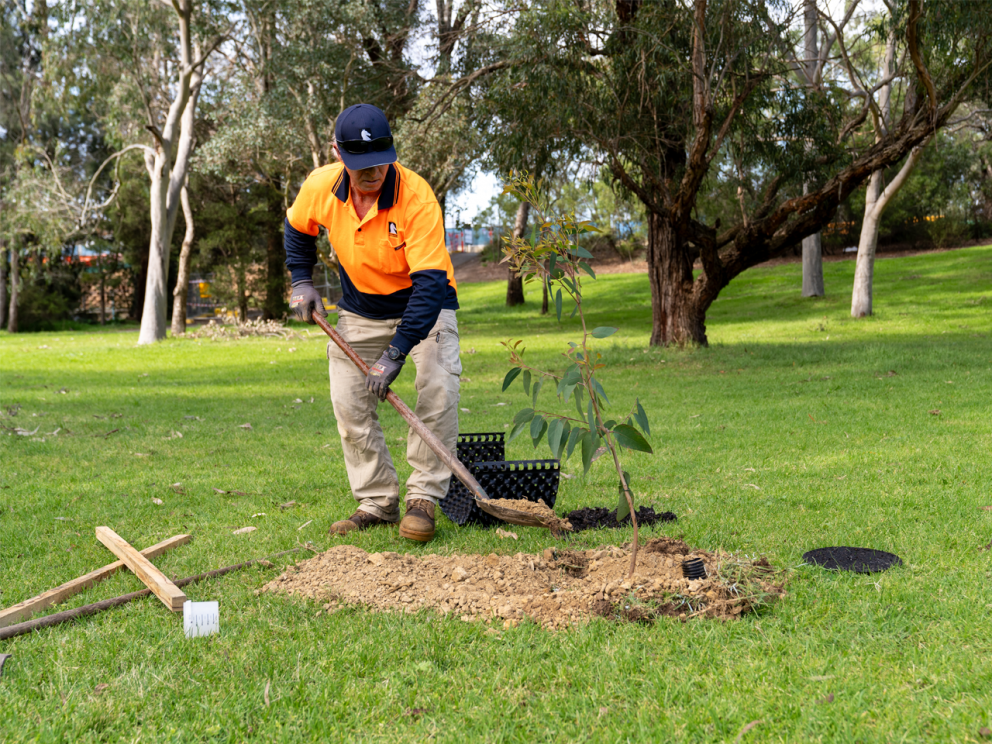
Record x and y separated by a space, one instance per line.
798 428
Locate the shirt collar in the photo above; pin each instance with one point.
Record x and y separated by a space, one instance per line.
387 197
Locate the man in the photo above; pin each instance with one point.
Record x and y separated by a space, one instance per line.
398 302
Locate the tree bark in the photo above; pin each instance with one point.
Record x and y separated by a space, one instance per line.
275 306
103 290
167 169
3 281
15 278
241 282
812 244
181 292
515 282
676 319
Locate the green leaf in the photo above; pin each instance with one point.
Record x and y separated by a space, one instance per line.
526 382
631 438
555 429
558 304
537 428
523 416
623 508
582 252
510 377
609 424
573 438
642 418
591 416
599 390
590 443
537 388
587 268
578 401
551 263
574 311
515 431
563 439
603 331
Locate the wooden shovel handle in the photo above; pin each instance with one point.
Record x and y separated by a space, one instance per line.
436 445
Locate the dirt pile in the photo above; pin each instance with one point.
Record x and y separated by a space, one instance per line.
556 589
599 517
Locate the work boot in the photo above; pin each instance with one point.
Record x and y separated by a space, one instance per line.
360 520
418 524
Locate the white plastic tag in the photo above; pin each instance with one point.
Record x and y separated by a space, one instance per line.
201 618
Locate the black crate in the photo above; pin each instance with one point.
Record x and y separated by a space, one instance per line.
520 479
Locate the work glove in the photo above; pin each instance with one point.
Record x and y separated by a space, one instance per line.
305 300
382 373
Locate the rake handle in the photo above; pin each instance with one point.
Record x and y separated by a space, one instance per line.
436 445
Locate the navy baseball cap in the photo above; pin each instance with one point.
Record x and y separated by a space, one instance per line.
363 137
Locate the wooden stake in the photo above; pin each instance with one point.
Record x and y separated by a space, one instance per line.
150 576
28 607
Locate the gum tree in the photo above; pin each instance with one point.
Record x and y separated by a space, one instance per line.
555 258
668 91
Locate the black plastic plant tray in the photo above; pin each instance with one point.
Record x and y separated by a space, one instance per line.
516 479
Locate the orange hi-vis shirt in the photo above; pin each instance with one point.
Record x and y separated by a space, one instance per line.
394 263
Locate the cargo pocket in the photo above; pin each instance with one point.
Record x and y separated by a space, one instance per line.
392 255
449 352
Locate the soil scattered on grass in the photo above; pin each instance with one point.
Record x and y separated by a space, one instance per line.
537 509
599 517
557 589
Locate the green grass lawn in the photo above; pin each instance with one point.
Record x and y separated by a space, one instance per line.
797 428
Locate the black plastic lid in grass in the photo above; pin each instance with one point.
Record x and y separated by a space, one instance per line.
858 560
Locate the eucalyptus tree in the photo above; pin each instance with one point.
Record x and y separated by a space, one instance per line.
665 89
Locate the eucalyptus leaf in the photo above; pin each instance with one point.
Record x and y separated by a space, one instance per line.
515 431
526 382
558 302
587 268
599 390
523 416
603 331
591 415
573 438
510 377
590 443
555 429
642 418
537 389
563 440
631 438
538 433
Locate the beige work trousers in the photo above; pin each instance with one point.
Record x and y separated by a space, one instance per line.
371 473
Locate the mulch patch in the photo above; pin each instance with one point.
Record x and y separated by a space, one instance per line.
599 517
858 560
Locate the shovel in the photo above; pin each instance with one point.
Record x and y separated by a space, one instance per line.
513 516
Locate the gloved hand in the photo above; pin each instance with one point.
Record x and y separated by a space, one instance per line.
382 373
305 300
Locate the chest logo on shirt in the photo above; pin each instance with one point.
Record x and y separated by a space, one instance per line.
392 228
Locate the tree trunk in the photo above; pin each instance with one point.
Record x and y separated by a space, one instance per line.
275 306
103 290
675 317
864 271
167 170
515 282
241 281
812 244
15 278
813 266
3 281
179 294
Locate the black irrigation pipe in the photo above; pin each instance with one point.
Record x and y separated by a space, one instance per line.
93 609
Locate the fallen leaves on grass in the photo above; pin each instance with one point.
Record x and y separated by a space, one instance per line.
303 525
934 412
140 454
747 728
178 488
415 712
63 519
243 530
157 501
24 432
985 732
265 695
985 508
287 505
828 699
174 435
506 533
751 485
258 514
231 493
100 688
245 426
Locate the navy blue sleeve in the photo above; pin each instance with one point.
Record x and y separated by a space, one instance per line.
430 287
301 253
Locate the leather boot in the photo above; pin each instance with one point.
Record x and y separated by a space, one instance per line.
360 520
418 524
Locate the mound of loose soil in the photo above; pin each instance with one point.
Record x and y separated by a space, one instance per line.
599 517
556 589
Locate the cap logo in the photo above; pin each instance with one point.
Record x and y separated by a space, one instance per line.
366 136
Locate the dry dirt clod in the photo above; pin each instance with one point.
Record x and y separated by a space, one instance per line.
556 589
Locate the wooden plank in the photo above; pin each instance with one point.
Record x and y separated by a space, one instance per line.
28 607
170 594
